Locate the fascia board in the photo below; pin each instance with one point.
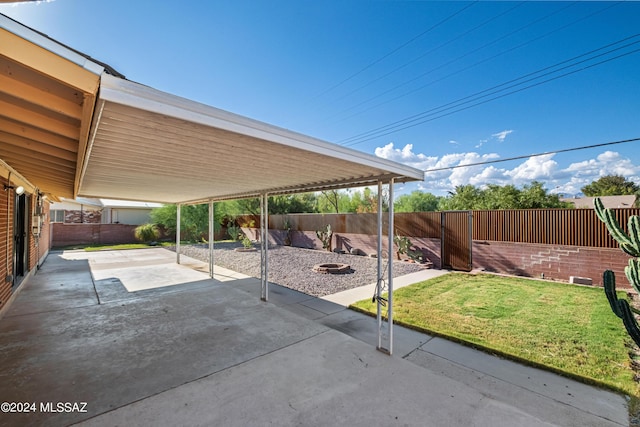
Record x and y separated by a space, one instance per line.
49 44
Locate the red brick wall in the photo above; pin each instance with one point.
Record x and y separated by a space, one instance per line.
555 262
37 248
87 234
5 287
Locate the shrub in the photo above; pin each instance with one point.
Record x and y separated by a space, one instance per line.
234 232
147 233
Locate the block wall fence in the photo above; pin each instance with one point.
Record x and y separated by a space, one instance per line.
63 234
549 259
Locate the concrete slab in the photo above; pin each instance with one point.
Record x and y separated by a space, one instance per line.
365 328
541 382
110 355
140 269
328 379
211 353
350 296
602 412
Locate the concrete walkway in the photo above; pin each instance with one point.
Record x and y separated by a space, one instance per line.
208 352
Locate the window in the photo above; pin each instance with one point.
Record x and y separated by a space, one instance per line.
57 216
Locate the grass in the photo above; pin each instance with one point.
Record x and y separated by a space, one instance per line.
122 246
564 328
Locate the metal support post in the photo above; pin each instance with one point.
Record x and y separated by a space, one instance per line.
385 327
390 268
380 279
178 209
264 247
211 237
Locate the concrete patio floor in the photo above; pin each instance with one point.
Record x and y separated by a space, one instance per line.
201 351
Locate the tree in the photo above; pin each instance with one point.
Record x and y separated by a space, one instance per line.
464 197
417 201
194 219
366 201
611 185
292 203
531 196
329 201
499 197
535 196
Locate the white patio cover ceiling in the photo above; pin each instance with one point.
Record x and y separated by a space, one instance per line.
148 145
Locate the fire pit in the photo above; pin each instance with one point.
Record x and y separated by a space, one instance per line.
332 268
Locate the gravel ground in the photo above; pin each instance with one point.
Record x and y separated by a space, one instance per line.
292 267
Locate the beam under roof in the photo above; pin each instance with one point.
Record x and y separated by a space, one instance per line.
47 96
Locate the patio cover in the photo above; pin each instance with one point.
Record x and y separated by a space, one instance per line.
149 145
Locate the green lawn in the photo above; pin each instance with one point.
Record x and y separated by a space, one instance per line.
121 246
565 328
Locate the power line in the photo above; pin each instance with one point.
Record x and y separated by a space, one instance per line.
398 86
398 48
439 112
427 53
565 150
412 91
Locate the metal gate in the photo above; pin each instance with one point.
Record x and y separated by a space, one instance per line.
456 247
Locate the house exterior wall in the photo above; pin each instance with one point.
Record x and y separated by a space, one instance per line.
37 246
127 216
6 244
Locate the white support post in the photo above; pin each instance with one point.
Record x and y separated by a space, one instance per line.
385 328
390 268
380 279
178 209
211 237
264 247
261 247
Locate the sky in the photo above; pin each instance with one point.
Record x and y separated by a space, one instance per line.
429 84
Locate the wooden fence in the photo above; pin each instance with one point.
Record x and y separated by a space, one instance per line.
570 227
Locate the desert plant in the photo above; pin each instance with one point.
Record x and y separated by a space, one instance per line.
287 227
630 244
325 237
234 231
246 242
403 243
147 233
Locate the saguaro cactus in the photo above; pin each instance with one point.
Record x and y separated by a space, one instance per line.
630 244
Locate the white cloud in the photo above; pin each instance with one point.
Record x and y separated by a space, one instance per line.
587 171
534 168
406 156
501 136
557 179
481 143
